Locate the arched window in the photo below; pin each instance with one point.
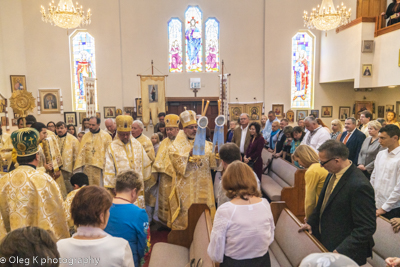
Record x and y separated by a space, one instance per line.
212 45
175 45
302 82
193 37
83 64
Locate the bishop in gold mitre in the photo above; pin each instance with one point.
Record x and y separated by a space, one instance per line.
150 196
92 152
29 197
126 154
192 182
69 146
163 169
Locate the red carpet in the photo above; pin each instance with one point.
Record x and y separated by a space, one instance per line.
156 236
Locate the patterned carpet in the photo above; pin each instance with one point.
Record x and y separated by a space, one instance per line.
156 236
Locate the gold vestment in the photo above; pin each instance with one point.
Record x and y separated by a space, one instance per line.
67 207
122 157
31 198
69 146
149 183
92 152
192 182
161 163
6 148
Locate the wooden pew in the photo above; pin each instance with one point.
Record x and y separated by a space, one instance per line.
186 245
284 181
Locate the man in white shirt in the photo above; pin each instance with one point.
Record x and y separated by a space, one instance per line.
365 117
241 135
385 177
266 131
314 137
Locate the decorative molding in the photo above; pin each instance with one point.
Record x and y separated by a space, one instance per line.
355 22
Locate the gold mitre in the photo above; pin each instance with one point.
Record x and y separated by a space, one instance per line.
172 121
124 123
188 117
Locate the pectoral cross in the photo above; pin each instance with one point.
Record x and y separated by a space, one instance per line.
93 151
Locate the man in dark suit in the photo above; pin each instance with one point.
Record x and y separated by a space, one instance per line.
353 139
344 219
241 135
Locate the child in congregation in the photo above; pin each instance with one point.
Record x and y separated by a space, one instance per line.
287 145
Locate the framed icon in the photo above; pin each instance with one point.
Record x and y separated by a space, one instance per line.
70 118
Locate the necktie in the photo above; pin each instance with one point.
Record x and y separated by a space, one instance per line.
346 138
328 193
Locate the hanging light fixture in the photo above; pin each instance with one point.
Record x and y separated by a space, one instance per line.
326 17
66 15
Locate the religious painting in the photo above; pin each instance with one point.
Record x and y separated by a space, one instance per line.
212 45
278 109
389 108
367 46
4 121
195 83
235 110
49 101
18 82
70 118
326 111
175 45
344 113
381 112
98 115
82 115
315 112
290 115
14 122
153 93
83 64
301 114
254 111
193 36
119 112
3 104
139 107
110 112
129 111
367 70
16 115
302 71
361 106
398 110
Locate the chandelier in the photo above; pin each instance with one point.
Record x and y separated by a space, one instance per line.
66 15
326 17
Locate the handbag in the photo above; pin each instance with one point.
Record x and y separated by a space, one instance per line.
251 162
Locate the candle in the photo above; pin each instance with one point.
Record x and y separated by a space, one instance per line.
219 107
202 105
205 110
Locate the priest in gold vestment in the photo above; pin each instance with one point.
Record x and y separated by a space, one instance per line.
149 192
6 147
69 146
162 168
29 197
92 152
192 182
126 153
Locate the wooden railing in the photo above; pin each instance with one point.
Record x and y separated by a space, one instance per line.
380 25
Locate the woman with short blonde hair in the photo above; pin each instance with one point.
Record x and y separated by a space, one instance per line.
155 140
369 149
246 222
314 177
337 129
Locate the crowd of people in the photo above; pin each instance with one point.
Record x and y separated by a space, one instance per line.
92 194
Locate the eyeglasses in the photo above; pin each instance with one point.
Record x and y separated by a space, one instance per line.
325 162
191 127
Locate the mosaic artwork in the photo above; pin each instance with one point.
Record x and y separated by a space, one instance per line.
83 64
193 37
212 45
175 45
302 78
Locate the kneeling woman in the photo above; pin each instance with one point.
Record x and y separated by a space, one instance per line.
244 227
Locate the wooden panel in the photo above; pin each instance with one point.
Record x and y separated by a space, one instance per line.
388 29
355 22
276 208
370 8
295 196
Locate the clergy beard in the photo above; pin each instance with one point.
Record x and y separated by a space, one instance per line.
172 138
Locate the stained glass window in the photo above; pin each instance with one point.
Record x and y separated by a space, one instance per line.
212 45
193 36
83 64
175 45
302 82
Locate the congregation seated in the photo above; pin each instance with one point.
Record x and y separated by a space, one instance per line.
24 245
127 220
243 228
90 211
314 177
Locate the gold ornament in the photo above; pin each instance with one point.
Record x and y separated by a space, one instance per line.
22 102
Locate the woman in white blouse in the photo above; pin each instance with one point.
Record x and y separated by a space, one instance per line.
244 227
90 210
